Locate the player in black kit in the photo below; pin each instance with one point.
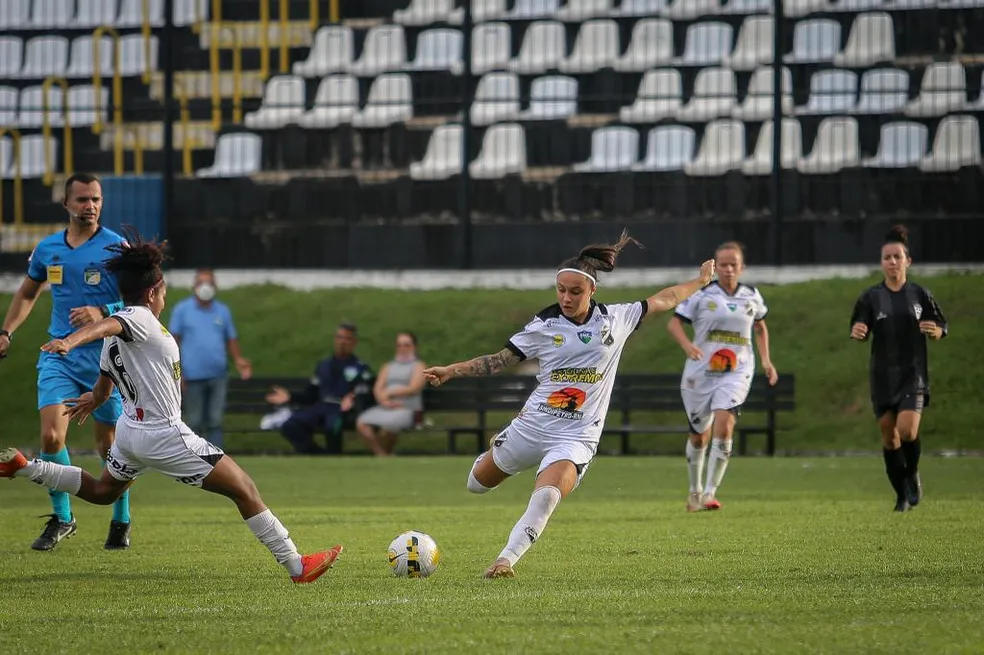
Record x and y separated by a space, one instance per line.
901 315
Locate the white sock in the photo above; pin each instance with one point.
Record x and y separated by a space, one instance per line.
718 464
695 466
542 504
53 476
473 484
272 534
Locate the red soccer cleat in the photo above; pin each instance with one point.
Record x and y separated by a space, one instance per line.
711 503
317 565
11 461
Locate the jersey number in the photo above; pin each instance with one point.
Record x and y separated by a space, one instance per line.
120 376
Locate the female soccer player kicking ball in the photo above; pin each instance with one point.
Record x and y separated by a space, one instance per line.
578 343
141 358
901 315
719 369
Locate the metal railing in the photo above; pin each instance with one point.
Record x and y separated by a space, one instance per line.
117 93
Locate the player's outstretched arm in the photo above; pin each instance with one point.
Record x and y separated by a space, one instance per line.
667 299
20 308
108 327
483 365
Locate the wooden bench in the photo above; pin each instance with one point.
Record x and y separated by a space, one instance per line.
505 394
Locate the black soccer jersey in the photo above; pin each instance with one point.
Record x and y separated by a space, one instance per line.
898 365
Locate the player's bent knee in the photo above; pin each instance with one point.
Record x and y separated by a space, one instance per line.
475 486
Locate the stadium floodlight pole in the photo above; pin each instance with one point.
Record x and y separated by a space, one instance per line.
167 54
777 70
464 189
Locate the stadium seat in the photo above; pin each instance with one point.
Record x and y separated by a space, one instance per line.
131 13
943 90
714 95
14 14
831 92
883 91
754 45
482 10
660 96
543 48
443 156
871 41
857 6
690 9
32 155
283 103
533 9
721 150
491 47
816 40
800 8
706 44
503 153
93 13
133 59
438 50
641 8
613 149
757 105
11 56
32 106
236 155
335 103
496 99
957 144
835 148
332 52
669 148
83 108
45 56
52 14
553 97
81 61
900 145
424 12
578 10
189 12
746 7
9 97
651 45
390 101
791 149
597 46
6 157
385 49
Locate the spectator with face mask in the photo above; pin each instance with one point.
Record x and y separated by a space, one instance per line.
204 330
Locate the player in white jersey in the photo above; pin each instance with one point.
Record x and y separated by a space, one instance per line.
578 343
141 358
720 366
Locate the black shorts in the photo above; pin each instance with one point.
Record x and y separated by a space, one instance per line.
909 402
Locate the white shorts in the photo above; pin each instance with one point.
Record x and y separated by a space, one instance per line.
173 450
701 404
515 451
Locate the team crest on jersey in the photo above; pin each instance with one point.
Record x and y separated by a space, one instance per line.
92 276
350 373
559 340
606 336
176 368
917 310
732 306
585 336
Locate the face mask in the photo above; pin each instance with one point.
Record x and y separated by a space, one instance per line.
205 292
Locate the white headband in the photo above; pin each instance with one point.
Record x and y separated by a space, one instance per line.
576 270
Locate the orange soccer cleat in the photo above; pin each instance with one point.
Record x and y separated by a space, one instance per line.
317 565
11 461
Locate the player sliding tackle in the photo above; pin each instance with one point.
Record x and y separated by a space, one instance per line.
578 343
141 358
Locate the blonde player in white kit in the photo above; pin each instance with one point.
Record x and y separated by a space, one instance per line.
578 343
719 369
142 359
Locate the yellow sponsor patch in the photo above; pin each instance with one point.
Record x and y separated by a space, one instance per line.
55 274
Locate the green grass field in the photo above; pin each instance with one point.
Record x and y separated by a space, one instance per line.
285 332
804 557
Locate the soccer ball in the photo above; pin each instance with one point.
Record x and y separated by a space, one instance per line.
413 555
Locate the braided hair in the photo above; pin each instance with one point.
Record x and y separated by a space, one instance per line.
136 265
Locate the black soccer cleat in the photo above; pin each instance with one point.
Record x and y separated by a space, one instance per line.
54 532
913 489
902 505
119 536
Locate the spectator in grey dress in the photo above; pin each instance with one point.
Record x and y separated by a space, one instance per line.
399 394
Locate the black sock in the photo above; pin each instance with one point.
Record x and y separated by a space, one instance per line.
911 450
895 468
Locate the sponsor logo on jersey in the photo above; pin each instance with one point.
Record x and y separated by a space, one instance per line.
55 274
559 340
729 337
176 368
576 375
92 276
722 361
564 403
585 336
712 306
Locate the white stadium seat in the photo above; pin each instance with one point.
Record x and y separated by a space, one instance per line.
93 13
791 149
544 47
443 156
45 56
800 8
424 12
691 9
32 155
871 41
9 97
491 47
641 8
957 144
816 40
84 106
651 45
577 10
900 145
81 61
6 158
438 50
721 150
706 44
533 9
385 49
597 46
831 92
746 7
670 148
482 10
52 14
32 107
236 155
503 153
715 92
613 149
283 103
857 6
835 148
14 14
131 13
883 91
11 56
757 105
660 96
943 89
390 101
333 51
496 99
553 97
335 103
134 52
189 12
754 45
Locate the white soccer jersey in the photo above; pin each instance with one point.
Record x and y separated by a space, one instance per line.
578 364
145 364
723 331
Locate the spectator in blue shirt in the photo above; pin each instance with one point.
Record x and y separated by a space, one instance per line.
330 394
204 329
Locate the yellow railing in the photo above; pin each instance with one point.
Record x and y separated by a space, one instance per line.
145 30
264 39
49 166
138 148
18 186
313 14
284 31
333 12
237 77
97 127
185 119
215 28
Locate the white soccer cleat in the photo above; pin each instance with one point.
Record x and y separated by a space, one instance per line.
694 503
